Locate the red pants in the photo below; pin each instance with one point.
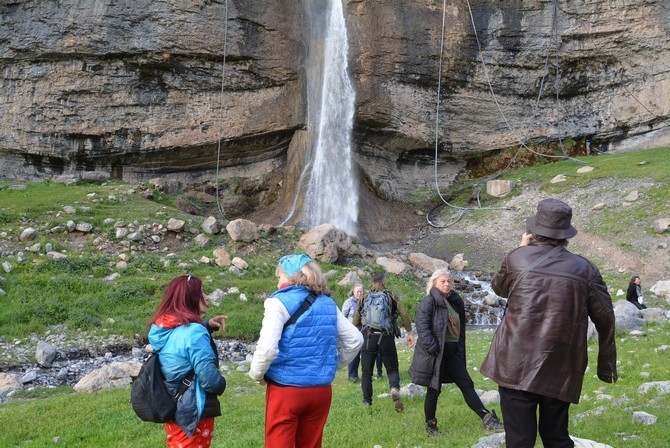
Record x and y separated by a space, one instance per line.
202 437
295 416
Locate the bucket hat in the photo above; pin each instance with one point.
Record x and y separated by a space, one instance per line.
552 220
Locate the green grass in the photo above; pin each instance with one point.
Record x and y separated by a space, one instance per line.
42 293
105 419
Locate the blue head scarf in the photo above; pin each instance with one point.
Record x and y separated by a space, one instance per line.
292 264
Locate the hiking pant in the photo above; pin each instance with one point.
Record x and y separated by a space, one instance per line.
374 343
352 370
296 416
353 365
519 410
453 369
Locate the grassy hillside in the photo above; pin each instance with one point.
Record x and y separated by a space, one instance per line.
75 293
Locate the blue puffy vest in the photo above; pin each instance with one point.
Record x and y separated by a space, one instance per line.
308 348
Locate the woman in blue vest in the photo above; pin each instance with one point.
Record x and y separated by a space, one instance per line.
298 361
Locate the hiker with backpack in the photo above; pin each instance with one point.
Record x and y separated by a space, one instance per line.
349 310
185 347
439 355
376 314
304 339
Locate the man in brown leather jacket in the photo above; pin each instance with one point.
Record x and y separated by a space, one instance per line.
538 355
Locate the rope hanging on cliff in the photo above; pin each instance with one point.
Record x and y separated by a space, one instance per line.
522 144
223 76
461 210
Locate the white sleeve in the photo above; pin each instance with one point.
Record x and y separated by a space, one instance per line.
349 340
267 349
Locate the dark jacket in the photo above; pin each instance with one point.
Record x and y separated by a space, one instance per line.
541 345
632 296
431 328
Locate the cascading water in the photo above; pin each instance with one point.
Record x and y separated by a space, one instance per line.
332 193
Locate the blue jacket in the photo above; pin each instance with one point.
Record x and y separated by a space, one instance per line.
308 348
182 349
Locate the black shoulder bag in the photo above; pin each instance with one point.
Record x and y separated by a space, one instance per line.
151 400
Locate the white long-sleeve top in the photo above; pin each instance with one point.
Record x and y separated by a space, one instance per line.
349 338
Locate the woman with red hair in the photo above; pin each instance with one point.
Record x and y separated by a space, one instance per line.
184 344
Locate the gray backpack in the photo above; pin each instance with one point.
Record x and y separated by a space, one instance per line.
376 312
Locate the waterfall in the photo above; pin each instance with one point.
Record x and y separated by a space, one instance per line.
332 194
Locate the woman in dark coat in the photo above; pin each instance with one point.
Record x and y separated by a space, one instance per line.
634 293
439 356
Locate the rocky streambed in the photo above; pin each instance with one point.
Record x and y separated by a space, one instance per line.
76 357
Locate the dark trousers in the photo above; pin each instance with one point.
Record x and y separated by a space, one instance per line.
519 409
353 365
374 343
454 369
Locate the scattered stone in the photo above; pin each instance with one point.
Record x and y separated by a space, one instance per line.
240 263
426 263
53 255
242 230
221 257
632 196
559 178
9 384
490 397
644 418
392 265
661 288
211 226
350 278
108 376
585 169
135 236
175 225
45 354
29 376
28 234
84 227
661 387
202 240
661 225
499 188
458 263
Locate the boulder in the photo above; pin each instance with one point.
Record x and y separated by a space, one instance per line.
116 374
9 383
45 354
392 265
242 230
426 263
325 243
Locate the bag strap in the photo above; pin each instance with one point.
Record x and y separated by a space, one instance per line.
304 306
532 265
185 383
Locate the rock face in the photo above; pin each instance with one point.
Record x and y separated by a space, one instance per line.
135 89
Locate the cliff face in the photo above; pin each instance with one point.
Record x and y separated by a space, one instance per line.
137 88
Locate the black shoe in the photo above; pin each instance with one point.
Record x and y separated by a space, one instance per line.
432 429
353 379
492 423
